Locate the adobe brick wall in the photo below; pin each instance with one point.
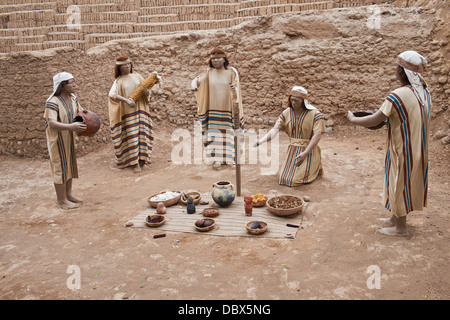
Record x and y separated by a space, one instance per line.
343 64
42 24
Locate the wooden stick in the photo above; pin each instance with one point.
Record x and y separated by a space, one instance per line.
237 147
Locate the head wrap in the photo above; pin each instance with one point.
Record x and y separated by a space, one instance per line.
217 53
120 63
298 91
57 79
412 63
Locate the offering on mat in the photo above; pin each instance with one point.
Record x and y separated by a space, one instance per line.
256 225
165 196
155 219
203 223
211 212
161 208
286 202
259 200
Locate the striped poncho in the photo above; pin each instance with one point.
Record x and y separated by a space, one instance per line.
61 144
406 163
131 128
300 129
215 109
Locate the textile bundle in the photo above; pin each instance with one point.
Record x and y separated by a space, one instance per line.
147 84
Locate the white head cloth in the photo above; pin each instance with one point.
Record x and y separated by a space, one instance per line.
301 92
60 77
412 63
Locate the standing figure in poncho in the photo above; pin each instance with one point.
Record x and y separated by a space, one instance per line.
217 90
60 110
130 122
407 110
304 125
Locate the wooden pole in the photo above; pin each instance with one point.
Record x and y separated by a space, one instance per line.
237 147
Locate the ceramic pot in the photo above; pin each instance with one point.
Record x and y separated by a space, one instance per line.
91 120
223 193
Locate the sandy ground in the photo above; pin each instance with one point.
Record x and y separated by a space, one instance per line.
337 253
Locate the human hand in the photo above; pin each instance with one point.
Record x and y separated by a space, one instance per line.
78 127
194 84
256 144
131 103
300 158
350 116
232 88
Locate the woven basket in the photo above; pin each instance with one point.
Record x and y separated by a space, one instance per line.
167 203
203 229
211 212
157 224
287 211
196 196
256 231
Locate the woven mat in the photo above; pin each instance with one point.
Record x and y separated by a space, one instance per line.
230 222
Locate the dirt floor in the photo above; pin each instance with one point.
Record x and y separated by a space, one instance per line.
333 255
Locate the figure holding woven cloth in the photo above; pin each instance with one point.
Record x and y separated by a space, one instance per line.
130 121
304 124
407 110
217 89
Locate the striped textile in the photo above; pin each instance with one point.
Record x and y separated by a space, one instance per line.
215 110
301 129
133 138
218 136
61 144
131 127
406 162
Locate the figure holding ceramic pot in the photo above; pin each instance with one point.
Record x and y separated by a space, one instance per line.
60 110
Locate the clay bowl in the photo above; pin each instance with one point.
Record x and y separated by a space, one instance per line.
368 113
256 231
259 203
203 229
284 211
211 212
196 196
155 224
167 203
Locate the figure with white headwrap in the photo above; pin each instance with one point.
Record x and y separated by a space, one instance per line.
130 121
304 124
407 110
60 110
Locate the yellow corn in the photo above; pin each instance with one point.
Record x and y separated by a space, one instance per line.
147 84
259 197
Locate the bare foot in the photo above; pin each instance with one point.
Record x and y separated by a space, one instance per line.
67 205
74 199
388 221
393 232
137 168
